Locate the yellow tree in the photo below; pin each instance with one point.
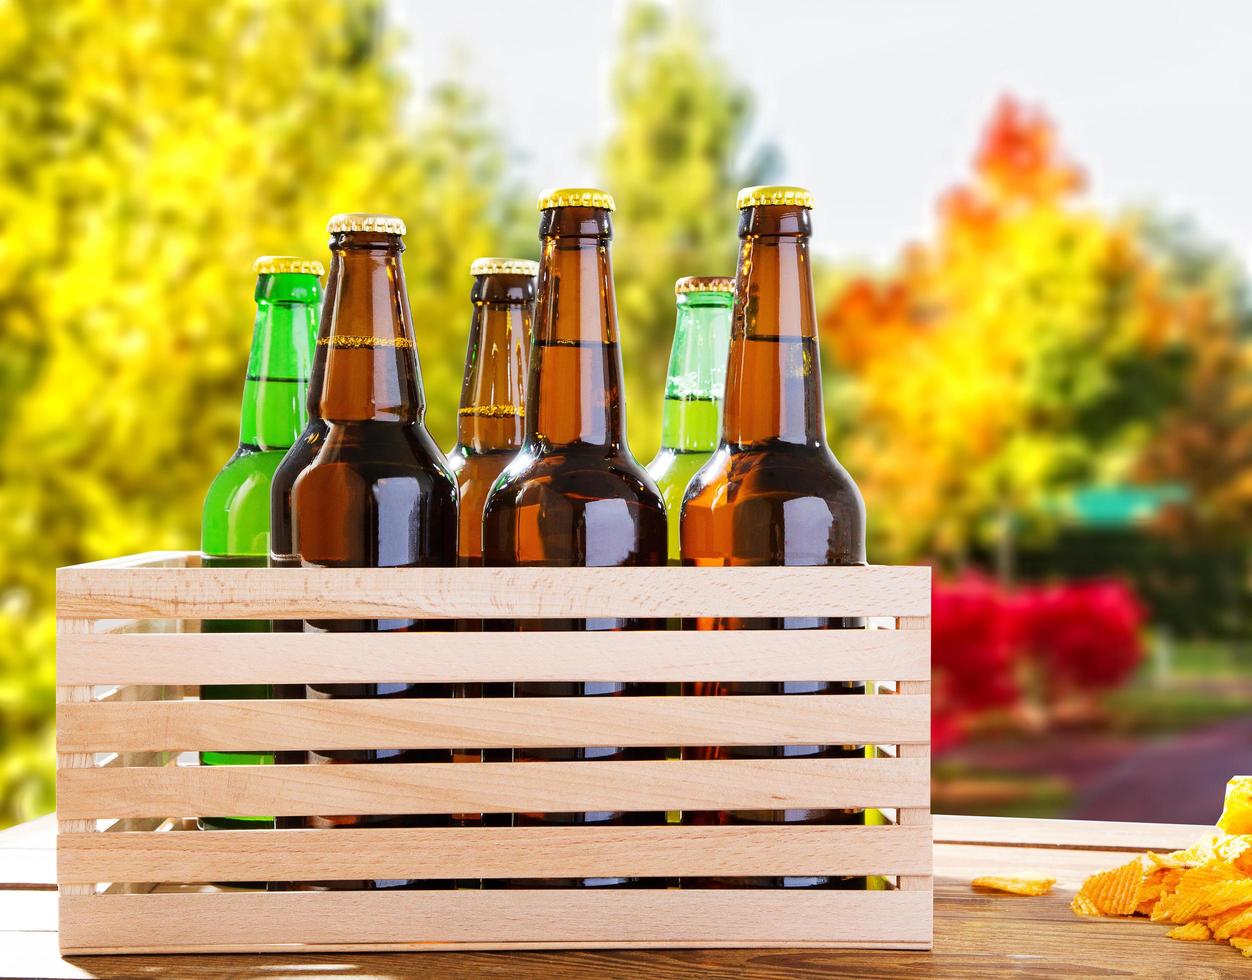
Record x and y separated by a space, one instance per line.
151 151
671 163
1028 348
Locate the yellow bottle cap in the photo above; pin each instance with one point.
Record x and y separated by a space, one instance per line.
385 224
704 284
575 197
751 197
271 265
503 267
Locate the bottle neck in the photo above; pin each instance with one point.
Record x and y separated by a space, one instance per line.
372 372
317 374
691 413
574 395
491 417
276 386
774 376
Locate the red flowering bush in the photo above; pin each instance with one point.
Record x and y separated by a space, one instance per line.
972 644
1073 639
1086 635
972 657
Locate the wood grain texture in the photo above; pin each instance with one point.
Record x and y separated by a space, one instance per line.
653 917
1103 835
144 559
978 935
74 694
506 787
344 658
505 852
487 593
223 726
911 817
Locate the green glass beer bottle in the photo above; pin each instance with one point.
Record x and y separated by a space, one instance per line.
236 520
692 413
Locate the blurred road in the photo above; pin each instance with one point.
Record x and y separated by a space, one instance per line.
1179 779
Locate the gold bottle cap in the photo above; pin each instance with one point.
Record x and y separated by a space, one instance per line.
385 224
704 284
492 266
751 197
575 197
272 265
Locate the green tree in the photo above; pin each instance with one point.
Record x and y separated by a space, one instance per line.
152 151
673 165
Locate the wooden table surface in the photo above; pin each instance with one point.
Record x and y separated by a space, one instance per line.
976 934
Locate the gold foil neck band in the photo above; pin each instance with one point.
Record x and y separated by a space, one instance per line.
492 411
353 342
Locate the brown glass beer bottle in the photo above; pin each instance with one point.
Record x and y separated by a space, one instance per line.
489 432
490 420
773 492
378 493
574 495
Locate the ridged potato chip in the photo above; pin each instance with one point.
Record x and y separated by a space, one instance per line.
1191 932
1112 892
1027 883
1236 816
1205 890
1231 922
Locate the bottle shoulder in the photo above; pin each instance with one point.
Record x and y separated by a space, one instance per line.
245 467
236 514
780 469
577 476
362 455
301 454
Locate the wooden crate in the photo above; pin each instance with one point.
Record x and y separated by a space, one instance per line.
130 659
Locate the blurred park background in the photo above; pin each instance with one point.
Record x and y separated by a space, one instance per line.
1042 387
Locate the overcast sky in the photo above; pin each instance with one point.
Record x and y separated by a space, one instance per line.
877 105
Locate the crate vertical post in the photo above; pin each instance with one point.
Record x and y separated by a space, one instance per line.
74 694
913 816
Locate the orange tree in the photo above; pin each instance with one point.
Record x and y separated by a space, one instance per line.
1030 346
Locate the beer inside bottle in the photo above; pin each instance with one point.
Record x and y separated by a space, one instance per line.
691 416
490 420
236 519
773 493
574 495
378 493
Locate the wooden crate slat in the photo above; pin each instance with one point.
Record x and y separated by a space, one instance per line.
341 658
657 917
144 559
486 593
487 852
224 726
505 787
